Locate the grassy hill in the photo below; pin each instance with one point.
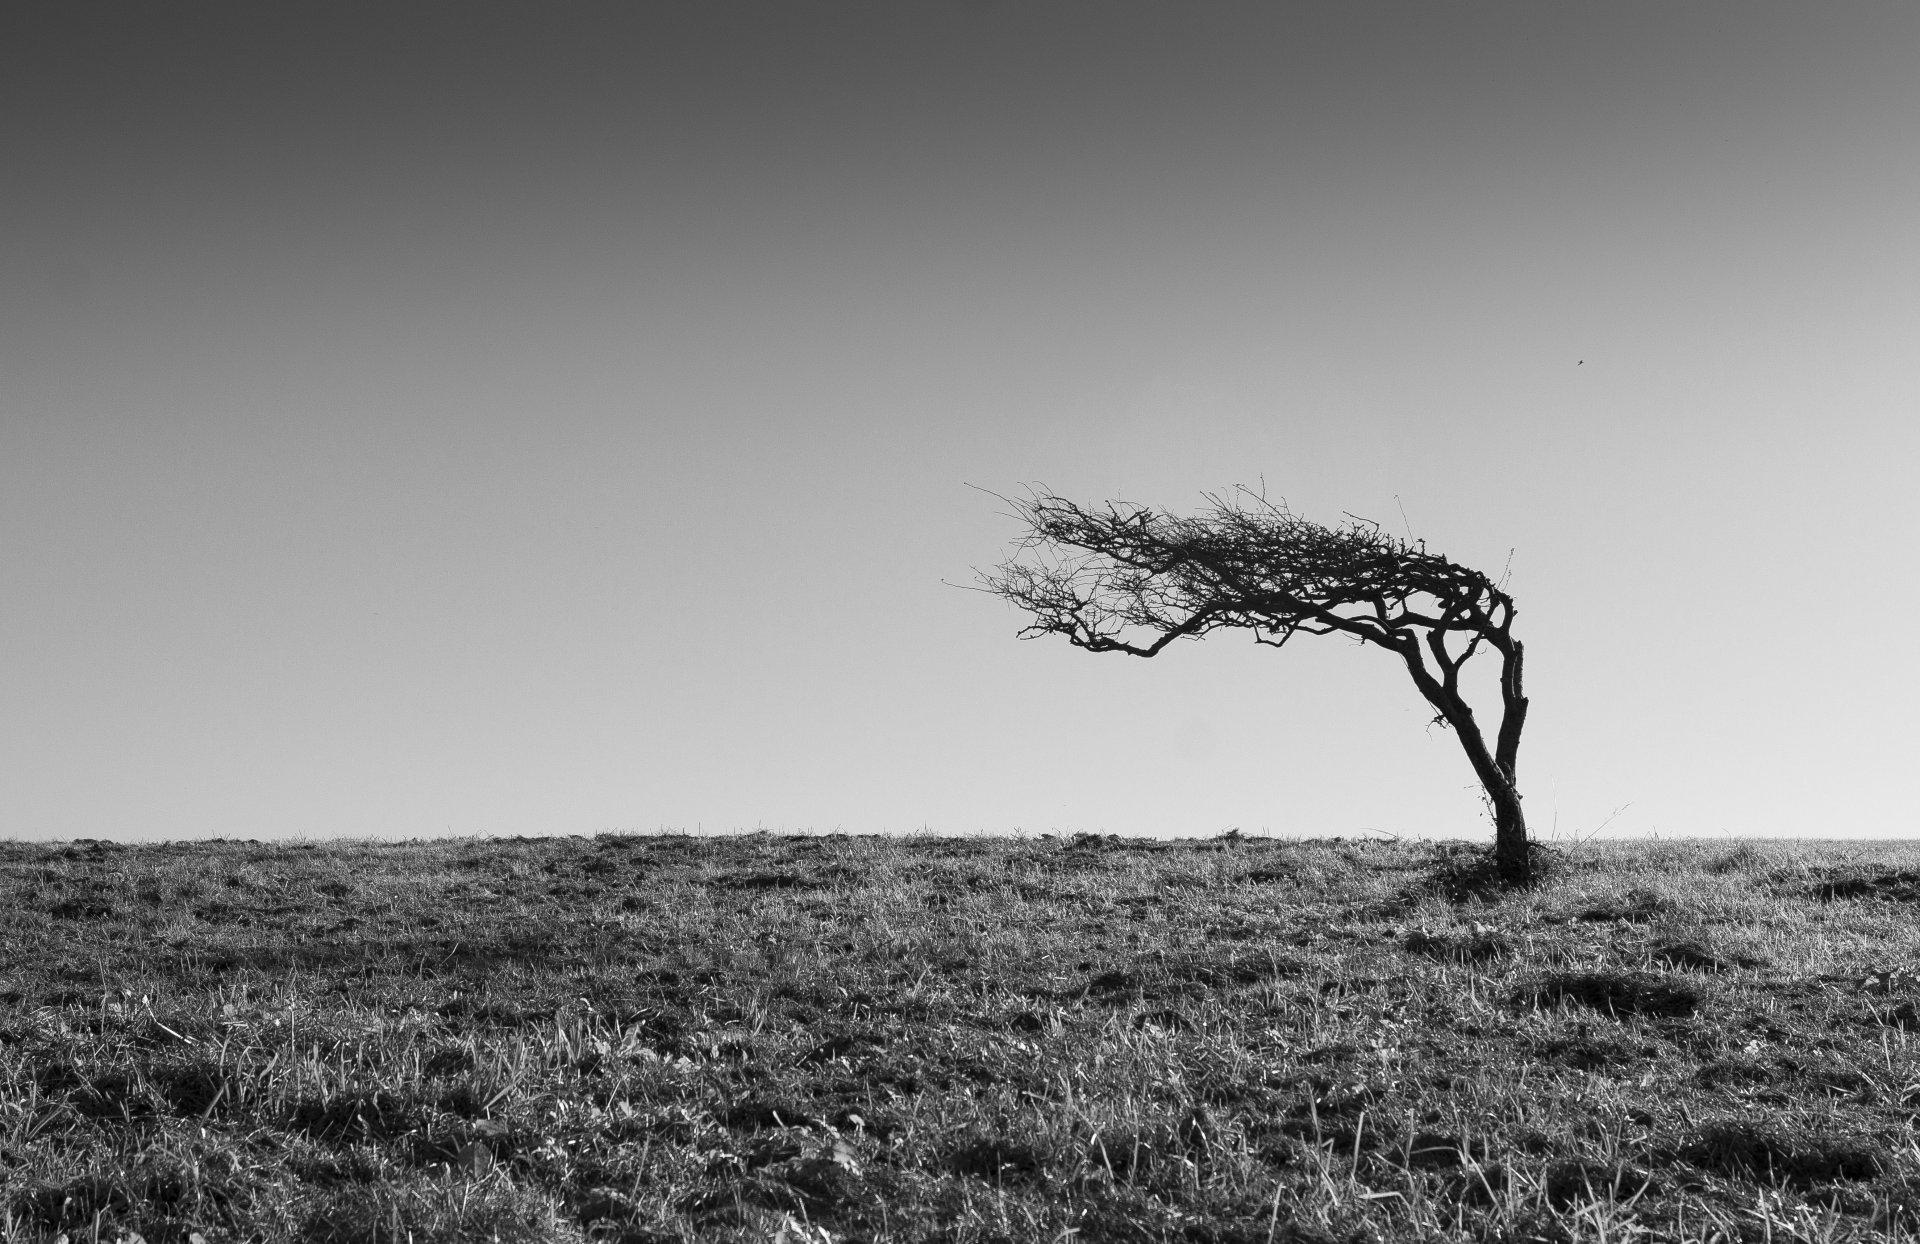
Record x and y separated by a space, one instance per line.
804 1039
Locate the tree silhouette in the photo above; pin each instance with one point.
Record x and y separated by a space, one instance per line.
1126 578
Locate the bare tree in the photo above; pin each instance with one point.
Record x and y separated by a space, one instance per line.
1124 578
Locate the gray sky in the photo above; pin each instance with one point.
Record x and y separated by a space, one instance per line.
556 418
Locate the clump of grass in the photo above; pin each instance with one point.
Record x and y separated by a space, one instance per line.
829 1038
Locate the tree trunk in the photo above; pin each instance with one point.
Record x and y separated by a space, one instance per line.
1510 853
1510 856
1511 859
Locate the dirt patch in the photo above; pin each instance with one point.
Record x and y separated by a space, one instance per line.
1635 906
1109 983
1617 994
1697 956
81 909
1733 1073
1473 945
1893 886
1748 1150
1172 1021
762 1114
1231 970
767 881
1590 1053
839 1045
1568 1183
998 1160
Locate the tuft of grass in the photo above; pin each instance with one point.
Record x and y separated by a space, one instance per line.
818 1039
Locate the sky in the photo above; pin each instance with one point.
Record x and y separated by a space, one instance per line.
553 419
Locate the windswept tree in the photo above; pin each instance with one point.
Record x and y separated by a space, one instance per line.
1124 578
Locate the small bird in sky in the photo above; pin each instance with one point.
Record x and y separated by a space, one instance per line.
1581 363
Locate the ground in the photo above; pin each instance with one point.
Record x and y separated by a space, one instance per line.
827 1038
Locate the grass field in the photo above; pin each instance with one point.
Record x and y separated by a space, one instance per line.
829 1038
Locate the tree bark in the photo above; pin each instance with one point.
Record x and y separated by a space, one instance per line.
1510 857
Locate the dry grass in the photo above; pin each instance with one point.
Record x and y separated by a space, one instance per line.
651 1039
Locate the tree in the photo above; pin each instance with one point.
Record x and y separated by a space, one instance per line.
1125 578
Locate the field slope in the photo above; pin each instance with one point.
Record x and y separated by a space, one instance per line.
829 1038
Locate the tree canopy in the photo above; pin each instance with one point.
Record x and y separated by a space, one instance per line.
1119 577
